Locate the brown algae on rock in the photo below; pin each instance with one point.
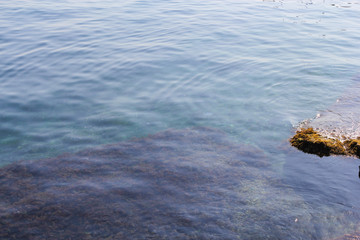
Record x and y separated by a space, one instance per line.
353 146
310 141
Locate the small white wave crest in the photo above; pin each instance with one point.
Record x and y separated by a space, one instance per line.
342 119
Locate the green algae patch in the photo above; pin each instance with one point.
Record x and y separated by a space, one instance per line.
310 141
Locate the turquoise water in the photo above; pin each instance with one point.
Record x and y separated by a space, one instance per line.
76 75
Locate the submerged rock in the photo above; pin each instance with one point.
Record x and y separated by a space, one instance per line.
177 184
311 141
354 236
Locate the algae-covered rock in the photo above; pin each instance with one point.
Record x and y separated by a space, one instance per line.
353 146
310 141
335 130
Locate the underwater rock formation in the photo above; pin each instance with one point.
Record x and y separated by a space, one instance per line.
178 184
310 141
354 236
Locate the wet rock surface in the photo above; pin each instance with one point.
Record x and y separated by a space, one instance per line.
310 141
335 130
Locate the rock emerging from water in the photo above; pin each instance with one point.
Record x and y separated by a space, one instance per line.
334 131
310 141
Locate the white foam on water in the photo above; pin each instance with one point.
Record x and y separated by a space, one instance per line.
342 119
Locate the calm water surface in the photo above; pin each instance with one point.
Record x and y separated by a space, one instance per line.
76 75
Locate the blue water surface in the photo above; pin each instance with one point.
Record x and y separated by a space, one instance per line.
78 74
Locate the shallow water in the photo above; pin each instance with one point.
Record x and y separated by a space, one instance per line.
74 76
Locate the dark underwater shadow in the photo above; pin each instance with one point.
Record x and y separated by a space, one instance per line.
177 184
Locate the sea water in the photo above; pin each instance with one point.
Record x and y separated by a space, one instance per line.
76 75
